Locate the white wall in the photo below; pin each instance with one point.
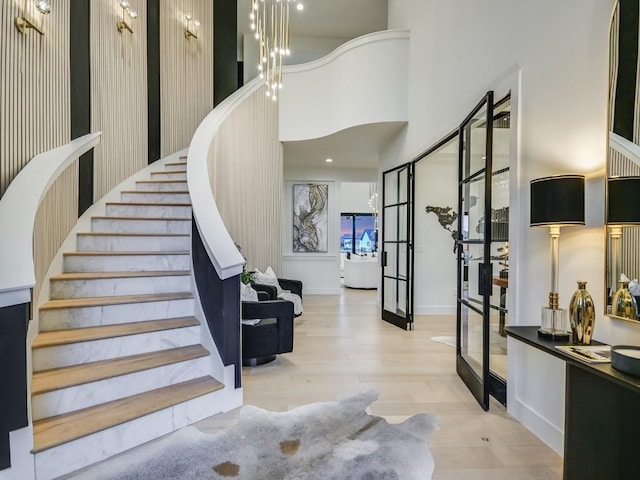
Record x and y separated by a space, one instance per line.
355 197
553 56
319 272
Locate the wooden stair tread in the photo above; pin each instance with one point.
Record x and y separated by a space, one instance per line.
180 219
135 204
137 274
114 300
54 431
123 234
102 253
77 335
64 377
170 172
170 192
170 180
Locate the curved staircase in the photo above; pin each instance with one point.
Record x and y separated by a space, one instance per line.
118 359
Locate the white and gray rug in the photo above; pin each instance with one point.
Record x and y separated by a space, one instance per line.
320 441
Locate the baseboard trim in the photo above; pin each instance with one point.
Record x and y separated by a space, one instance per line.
539 426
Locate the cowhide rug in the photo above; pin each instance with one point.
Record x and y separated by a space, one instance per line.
321 441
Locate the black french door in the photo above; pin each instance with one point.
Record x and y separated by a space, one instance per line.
397 278
474 250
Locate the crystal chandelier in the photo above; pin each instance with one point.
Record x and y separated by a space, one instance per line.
270 22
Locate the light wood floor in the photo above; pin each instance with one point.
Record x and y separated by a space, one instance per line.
342 347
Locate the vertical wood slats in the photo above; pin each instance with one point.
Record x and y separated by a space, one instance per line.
56 216
186 72
34 85
118 94
246 170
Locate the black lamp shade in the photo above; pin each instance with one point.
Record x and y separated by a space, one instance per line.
557 200
623 201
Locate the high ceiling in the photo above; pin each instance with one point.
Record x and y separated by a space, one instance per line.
334 19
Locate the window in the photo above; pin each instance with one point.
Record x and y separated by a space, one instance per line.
358 233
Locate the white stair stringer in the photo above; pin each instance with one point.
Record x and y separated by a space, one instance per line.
124 297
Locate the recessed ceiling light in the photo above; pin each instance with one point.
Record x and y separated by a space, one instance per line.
329 160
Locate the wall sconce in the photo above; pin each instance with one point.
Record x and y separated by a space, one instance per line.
190 26
127 11
22 22
556 202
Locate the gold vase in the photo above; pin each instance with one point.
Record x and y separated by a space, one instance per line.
582 314
624 304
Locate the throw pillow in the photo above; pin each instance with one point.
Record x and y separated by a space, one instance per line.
267 278
248 294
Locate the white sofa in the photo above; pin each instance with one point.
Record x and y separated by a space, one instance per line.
361 272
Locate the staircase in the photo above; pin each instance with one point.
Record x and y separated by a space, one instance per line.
118 359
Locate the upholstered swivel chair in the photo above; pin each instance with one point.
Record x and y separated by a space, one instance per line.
272 335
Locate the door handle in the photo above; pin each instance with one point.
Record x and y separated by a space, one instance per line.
384 259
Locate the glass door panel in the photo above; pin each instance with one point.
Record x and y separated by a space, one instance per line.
474 257
396 247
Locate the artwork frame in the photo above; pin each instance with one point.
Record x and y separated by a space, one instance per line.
310 218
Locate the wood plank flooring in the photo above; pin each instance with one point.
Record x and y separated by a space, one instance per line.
342 347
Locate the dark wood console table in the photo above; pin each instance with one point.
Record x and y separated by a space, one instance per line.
602 415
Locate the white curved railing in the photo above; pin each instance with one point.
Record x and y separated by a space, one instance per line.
364 81
216 239
18 210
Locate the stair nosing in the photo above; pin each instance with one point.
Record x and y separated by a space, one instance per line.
115 367
170 172
205 385
86 302
118 330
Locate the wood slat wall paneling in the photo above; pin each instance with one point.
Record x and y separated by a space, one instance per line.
34 85
247 180
118 93
186 72
56 216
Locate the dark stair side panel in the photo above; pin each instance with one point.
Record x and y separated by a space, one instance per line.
13 375
220 301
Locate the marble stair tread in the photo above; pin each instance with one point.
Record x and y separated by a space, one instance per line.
96 275
115 300
64 377
124 234
76 335
99 253
53 431
131 219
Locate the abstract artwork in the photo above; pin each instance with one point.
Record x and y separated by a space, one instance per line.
310 217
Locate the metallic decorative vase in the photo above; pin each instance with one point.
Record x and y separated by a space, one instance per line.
582 314
624 304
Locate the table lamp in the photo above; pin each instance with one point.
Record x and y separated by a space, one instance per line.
556 202
623 209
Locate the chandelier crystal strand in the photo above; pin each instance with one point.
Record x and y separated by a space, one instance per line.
270 21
